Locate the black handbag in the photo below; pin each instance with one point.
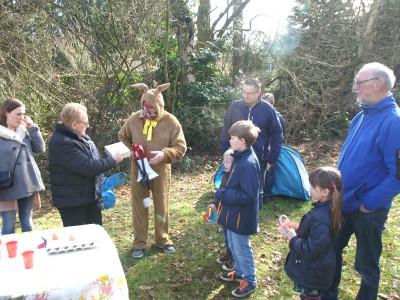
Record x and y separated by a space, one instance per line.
7 177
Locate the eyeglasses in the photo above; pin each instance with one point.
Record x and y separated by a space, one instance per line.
250 93
360 82
85 123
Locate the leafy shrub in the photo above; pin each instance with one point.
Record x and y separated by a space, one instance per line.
202 113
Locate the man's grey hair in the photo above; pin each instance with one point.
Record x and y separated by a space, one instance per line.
253 82
382 72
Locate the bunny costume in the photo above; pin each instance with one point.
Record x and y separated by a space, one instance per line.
161 133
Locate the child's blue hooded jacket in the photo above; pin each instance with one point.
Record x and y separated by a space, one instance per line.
237 205
370 158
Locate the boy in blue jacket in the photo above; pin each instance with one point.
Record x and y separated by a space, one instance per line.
238 206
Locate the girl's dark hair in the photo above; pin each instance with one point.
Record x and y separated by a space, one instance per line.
8 106
331 179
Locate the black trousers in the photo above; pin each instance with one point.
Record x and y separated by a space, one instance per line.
81 215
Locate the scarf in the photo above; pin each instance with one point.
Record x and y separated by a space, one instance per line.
99 178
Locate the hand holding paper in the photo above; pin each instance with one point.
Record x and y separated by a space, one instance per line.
117 157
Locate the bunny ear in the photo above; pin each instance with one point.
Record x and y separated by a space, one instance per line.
141 86
161 88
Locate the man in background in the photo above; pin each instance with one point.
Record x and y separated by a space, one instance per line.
270 173
269 142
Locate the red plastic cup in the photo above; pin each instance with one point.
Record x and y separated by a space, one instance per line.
28 259
12 249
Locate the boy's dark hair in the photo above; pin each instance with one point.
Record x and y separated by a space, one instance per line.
253 82
245 130
331 179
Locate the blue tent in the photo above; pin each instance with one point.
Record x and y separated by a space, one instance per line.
291 177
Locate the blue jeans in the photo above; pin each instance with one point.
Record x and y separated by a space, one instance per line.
269 180
243 256
225 231
368 228
263 167
25 206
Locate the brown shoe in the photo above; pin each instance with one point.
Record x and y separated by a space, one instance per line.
228 265
223 258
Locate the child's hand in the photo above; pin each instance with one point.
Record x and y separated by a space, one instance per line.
290 224
282 230
212 206
290 233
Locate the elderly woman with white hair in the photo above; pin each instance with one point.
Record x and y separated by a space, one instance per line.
76 168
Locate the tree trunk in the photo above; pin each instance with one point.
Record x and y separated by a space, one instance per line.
185 31
168 101
204 34
237 55
236 11
367 37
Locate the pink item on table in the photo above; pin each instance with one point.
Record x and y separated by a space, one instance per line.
12 248
28 259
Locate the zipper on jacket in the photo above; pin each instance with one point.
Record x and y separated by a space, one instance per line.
248 116
219 209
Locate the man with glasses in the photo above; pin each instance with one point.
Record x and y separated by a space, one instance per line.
269 142
370 165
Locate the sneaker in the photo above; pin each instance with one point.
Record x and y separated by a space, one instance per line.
231 276
245 288
220 260
137 253
228 265
169 249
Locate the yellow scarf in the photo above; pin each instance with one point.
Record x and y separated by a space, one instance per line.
148 128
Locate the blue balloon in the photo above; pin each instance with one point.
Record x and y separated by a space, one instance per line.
218 176
107 194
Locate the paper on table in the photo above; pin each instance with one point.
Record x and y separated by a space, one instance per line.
117 147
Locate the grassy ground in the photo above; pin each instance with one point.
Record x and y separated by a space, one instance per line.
192 273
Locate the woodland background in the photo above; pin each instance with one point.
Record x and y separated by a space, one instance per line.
57 51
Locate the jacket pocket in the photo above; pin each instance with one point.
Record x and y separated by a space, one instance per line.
359 192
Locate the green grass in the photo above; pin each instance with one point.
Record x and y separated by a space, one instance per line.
192 273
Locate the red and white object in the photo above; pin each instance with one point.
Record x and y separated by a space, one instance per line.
139 152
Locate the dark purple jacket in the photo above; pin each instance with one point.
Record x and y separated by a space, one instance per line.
311 260
72 169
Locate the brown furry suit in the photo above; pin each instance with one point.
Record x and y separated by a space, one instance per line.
167 137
